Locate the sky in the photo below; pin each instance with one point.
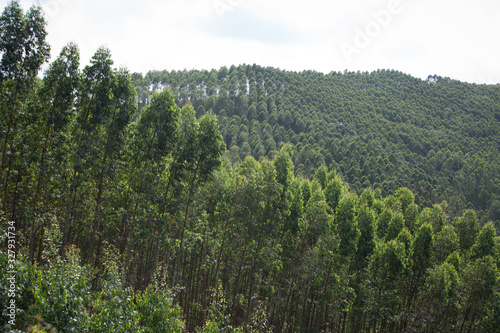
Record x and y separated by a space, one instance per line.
450 38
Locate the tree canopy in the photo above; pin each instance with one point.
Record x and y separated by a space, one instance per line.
244 199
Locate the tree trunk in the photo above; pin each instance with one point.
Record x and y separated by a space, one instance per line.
184 222
9 128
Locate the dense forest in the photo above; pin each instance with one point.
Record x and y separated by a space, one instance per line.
383 129
244 199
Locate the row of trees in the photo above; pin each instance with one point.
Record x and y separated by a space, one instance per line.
71 156
290 254
142 221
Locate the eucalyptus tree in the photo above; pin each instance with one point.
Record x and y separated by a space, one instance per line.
421 255
208 147
153 140
485 244
467 228
334 191
24 50
439 302
284 176
366 241
389 264
106 103
446 242
395 226
481 283
55 113
383 221
347 226
182 157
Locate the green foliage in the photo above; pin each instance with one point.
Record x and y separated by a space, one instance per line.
157 125
24 276
446 243
433 216
366 242
443 284
210 145
61 291
383 222
467 229
454 259
411 217
347 225
395 227
22 44
367 197
423 247
130 216
316 221
406 197
341 121
321 176
334 192
113 307
406 239
481 285
485 243
388 264
284 167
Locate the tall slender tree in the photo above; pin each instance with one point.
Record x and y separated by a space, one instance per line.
56 111
24 50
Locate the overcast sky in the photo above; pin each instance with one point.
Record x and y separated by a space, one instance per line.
454 38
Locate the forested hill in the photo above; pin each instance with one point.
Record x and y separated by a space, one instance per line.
385 129
303 202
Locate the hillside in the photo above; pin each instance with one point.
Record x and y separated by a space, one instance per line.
247 199
384 129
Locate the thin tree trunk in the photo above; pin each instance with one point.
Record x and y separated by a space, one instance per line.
5 189
96 240
73 190
250 293
217 264
467 311
184 222
67 219
9 128
237 280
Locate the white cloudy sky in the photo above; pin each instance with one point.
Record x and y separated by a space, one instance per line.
454 38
